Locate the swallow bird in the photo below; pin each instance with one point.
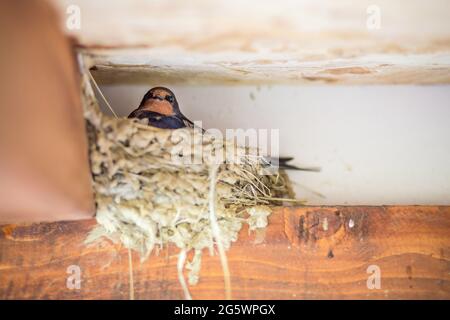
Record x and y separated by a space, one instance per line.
160 106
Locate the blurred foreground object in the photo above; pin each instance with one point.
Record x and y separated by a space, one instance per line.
43 161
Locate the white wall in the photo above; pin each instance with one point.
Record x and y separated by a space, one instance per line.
376 144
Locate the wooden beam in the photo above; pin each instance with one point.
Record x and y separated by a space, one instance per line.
300 42
305 253
150 66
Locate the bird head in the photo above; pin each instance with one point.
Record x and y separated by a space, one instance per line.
160 100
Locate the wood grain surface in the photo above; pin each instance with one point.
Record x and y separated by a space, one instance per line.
284 41
305 253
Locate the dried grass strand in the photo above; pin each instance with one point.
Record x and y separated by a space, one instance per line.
180 266
216 230
101 94
130 270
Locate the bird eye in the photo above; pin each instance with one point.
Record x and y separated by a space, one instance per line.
170 99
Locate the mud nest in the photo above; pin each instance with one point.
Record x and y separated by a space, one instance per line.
155 187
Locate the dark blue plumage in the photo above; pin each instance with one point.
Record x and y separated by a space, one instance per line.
160 107
159 121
